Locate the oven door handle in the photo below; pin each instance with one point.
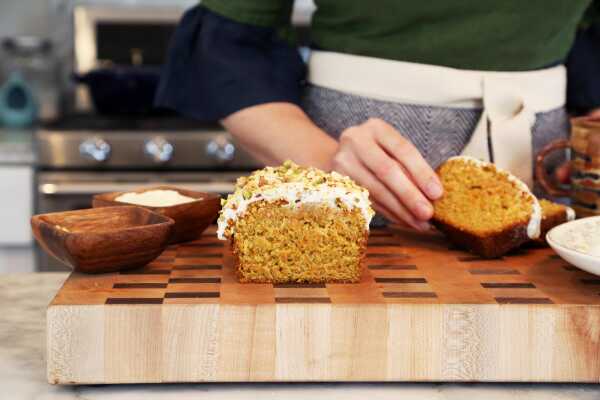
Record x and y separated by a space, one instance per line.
58 189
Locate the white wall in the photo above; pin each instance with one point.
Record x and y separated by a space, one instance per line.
24 17
30 17
33 17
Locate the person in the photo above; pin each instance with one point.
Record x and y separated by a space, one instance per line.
391 88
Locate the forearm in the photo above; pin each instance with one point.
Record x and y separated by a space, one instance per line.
274 132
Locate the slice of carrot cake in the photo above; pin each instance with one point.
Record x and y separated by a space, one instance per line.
553 214
296 224
484 208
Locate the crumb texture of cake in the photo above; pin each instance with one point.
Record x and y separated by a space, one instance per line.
551 210
553 214
309 244
296 224
485 209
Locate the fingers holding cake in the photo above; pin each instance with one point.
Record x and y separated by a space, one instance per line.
397 176
384 202
409 157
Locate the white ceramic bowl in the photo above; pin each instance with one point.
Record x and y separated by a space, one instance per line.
586 260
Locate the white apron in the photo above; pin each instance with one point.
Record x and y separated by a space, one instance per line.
509 100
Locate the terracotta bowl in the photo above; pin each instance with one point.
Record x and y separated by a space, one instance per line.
103 239
191 219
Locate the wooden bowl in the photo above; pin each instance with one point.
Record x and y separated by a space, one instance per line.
191 219
100 240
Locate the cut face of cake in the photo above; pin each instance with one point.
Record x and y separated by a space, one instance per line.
485 209
296 224
553 214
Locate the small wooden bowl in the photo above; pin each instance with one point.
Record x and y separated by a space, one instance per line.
191 219
99 240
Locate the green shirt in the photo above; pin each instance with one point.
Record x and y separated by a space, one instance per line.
502 35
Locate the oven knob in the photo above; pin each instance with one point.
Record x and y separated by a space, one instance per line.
159 149
220 149
95 148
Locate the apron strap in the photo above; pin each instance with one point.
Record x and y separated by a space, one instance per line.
509 99
503 133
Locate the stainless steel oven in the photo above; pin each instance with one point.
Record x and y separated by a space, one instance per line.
86 155
89 150
107 35
62 191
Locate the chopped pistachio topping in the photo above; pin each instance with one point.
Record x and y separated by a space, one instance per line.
294 184
290 172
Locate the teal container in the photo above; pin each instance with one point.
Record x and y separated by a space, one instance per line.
17 103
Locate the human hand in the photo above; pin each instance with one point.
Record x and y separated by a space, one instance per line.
595 113
401 183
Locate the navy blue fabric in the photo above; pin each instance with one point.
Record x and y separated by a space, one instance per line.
583 71
217 66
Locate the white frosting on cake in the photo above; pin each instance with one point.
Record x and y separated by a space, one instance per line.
295 194
297 187
570 214
535 221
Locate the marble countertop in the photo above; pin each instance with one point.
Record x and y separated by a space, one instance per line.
16 147
23 300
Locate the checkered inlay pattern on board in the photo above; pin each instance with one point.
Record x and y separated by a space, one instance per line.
185 273
506 285
399 267
394 270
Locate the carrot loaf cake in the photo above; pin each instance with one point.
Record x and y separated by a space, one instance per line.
296 224
553 214
485 209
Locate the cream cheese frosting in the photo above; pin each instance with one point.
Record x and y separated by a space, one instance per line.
295 185
570 214
583 236
155 198
535 220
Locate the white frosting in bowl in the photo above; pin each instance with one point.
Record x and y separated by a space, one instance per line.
155 198
578 243
583 236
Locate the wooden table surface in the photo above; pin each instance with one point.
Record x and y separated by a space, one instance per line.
423 311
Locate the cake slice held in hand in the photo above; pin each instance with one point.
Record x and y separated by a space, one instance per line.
296 224
485 209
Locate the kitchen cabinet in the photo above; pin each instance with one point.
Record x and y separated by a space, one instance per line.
16 200
15 205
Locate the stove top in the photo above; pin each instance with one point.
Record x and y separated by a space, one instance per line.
165 142
157 123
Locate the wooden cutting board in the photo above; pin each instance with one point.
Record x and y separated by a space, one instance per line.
422 312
